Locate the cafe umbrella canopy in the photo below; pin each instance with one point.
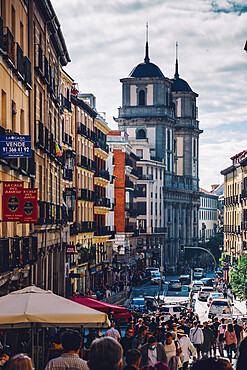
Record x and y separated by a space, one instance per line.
35 308
35 305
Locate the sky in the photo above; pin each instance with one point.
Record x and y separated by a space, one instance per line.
106 39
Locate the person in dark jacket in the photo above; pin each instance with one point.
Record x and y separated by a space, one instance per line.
127 341
133 359
152 352
208 339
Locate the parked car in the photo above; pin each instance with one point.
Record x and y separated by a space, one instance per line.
138 303
196 286
219 307
199 273
208 281
214 295
156 278
185 279
171 309
205 292
175 285
151 270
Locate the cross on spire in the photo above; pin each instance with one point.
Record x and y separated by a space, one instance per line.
146 59
176 67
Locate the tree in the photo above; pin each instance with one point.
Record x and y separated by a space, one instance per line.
239 278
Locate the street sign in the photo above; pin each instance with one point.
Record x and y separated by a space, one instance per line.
14 146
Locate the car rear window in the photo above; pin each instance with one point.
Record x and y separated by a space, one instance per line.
177 309
219 303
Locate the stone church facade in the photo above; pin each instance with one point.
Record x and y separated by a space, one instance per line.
159 114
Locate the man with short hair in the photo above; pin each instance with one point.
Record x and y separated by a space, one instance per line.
152 352
113 333
139 339
184 327
197 338
105 354
133 359
172 349
127 341
239 332
71 342
214 328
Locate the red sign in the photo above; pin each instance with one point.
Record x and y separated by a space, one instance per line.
30 206
12 201
70 249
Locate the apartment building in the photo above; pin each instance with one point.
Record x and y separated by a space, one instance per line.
235 213
208 215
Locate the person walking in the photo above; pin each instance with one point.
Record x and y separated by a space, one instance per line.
127 341
187 348
173 352
208 340
214 328
197 338
133 359
221 336
152 352
138 341
231 341
105 354
113 333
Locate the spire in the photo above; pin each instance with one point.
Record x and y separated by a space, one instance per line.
176 67
146 59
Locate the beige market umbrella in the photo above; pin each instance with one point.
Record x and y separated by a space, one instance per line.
34 305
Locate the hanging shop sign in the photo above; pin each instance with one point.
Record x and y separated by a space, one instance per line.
30 206
70 249
19 204
12 201
14 146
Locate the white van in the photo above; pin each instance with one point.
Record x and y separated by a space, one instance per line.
205 292
196 286
198 273
219 307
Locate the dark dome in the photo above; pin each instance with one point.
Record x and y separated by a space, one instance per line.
146 70
180 85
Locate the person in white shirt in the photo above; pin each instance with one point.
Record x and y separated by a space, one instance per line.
221 336
187 348
172 349
197 337
113 333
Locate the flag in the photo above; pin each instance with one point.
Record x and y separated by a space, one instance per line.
59 152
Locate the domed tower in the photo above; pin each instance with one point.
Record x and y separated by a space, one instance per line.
186 129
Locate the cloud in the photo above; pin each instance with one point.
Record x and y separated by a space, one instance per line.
106 39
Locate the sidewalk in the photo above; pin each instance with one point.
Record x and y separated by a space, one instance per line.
240 306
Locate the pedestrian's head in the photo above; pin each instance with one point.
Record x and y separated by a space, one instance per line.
208 363
242 358
225 363
105 354
216 319
129 333
195 323
230 327
222 320
180 333
20 362
143 330
174 326
205 323
235 321
152 342
133 357
168 338
113 324
71 341
161 366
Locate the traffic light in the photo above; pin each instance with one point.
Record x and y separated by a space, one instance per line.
182 249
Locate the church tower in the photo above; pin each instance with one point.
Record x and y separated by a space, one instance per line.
159 116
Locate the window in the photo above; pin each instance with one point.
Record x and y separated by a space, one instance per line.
3 110
141 97
21 35
139 153
13 20
3 10
141 134
14 111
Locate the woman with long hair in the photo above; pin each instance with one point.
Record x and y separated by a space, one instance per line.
231 341
20 362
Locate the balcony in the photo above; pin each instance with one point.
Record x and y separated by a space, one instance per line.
128 162
82 129
39 61
129 184
160 230
27 73
19 62
86 227
52 85
103 230
82 161
46 141
68 174
146 177
66 104
134 173
104 174
103 202
244 194
102 145
92 136
39 134
51 146
244 225
67 139
9 47
45 78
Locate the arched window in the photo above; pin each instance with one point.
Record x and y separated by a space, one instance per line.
141 97
141 134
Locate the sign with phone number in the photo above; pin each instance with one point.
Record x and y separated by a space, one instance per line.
14 146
